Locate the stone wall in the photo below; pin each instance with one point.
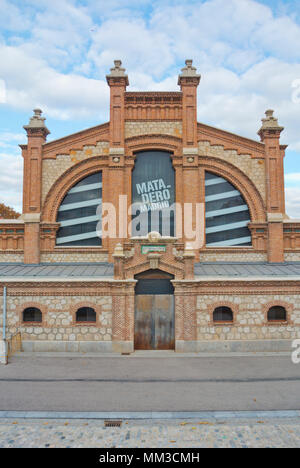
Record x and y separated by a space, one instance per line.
292 256
59 323
74 257
250 318
152 127
231 256
11 257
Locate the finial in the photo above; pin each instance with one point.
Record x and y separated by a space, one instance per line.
37 112
269 123
269 113
189 71
118 72
37 122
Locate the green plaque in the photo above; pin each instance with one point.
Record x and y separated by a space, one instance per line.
153 248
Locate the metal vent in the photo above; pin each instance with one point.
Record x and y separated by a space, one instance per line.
109 423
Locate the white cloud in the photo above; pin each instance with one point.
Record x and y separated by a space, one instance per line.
293 202
11 180
293 177
63 96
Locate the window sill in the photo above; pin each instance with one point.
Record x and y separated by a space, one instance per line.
222 324
277 322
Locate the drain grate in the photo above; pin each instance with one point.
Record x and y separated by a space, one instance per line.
109 423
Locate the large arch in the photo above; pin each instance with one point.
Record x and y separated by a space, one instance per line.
241 181
153 142
65 182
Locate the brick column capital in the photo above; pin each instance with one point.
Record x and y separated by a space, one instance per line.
188 81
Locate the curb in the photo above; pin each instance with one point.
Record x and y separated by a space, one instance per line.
152 415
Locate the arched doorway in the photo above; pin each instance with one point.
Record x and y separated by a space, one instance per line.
154 325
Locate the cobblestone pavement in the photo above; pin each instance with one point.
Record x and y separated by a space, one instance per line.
150 434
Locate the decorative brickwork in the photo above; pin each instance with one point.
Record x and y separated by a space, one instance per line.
151 121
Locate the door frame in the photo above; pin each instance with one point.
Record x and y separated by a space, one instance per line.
145 282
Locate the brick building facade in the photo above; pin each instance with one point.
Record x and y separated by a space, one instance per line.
70 287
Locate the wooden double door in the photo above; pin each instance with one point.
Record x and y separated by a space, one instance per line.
154 314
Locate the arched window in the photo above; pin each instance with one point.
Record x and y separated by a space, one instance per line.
85 314
32 314
277 314
227 214
78 216
223 314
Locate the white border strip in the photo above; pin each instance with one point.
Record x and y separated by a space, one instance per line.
227 227
231 242
221 196
225 211
85 188
73 222
74 206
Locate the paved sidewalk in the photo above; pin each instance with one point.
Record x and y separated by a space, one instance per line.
161 434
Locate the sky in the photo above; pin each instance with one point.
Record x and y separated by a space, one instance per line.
55 55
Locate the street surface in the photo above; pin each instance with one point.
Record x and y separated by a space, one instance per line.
141 383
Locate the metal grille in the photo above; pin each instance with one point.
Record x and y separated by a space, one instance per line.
109 423
78 216
227 214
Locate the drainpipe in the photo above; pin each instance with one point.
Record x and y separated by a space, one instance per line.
4 323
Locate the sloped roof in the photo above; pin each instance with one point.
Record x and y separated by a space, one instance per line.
61 270
236 270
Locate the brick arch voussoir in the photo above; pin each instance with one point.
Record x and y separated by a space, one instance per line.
145 266
153 142
241 181
65 182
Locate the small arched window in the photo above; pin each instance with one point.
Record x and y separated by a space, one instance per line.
86 314
223 314
277 314
32 314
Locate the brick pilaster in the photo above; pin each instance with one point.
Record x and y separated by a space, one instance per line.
188 81
274 153
32 185
116 179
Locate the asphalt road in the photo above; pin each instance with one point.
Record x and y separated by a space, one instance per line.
132 383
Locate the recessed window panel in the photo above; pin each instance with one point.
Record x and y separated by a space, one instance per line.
223 314
32 314
227 214
77 214
277 314
85 314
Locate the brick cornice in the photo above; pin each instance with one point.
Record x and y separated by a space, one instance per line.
76 141
230 141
